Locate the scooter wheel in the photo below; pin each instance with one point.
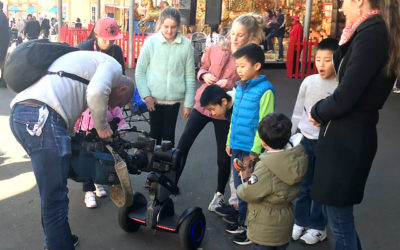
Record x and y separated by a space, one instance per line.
127 224
192 229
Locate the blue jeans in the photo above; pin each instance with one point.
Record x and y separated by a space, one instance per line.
280 42
242 205
341 222
50 155
309 213
270 45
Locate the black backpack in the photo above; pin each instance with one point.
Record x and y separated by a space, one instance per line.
30 61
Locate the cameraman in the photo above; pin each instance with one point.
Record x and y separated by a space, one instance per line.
44 114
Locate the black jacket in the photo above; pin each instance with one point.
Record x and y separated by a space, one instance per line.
4 36
32 29
348 139
45 24
280 26
115 51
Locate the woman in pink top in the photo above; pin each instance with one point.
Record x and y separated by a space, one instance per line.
219 67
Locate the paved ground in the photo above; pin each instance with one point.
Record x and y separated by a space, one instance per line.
377 218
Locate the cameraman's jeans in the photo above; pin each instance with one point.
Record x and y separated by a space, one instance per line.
341 222
308 213
50 156
237 181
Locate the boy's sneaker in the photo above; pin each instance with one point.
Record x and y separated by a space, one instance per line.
234 228
226 210
313 236
217 201
90 200
241 239
231 219
100 192
297 232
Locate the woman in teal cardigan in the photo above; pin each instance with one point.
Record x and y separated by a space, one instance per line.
165 75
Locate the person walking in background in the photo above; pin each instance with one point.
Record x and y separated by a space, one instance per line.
218 67
310 223
295 36
105 33
270 30
366 65
214 37
45 27
78 24
90 25
280 30
4 42
165 75
32 28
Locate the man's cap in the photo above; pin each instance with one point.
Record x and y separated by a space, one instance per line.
296 18
107 29
278 9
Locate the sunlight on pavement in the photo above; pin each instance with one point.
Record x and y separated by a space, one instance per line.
13 153
16 185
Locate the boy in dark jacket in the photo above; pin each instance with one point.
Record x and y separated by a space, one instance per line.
273 185
254 99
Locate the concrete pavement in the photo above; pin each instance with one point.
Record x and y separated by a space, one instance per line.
377 218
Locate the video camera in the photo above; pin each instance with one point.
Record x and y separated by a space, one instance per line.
92 161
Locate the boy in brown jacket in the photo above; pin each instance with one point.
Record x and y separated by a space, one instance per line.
273 185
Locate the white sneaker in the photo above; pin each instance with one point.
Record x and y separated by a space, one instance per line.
90 200
313 236
217 201
100 192
297 232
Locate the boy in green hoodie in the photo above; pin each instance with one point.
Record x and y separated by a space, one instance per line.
273 185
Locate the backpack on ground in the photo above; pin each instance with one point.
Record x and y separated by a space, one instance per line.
30 61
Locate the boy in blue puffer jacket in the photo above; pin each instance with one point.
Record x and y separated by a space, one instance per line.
254 99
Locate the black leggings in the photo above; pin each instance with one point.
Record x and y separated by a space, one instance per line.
194 125
163 122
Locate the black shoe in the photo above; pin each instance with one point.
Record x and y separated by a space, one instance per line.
226 210
75 241
241 239
235 228
231 219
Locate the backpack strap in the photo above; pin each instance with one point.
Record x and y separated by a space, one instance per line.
69 75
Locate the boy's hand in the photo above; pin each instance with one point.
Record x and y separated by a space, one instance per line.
246 173
228 150
150 103
314 122
209 79
186 112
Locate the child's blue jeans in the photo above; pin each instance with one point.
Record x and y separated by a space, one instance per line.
237 181
308 213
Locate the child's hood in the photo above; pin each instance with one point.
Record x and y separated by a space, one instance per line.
289 165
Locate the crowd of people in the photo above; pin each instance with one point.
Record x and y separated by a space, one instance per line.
319 159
